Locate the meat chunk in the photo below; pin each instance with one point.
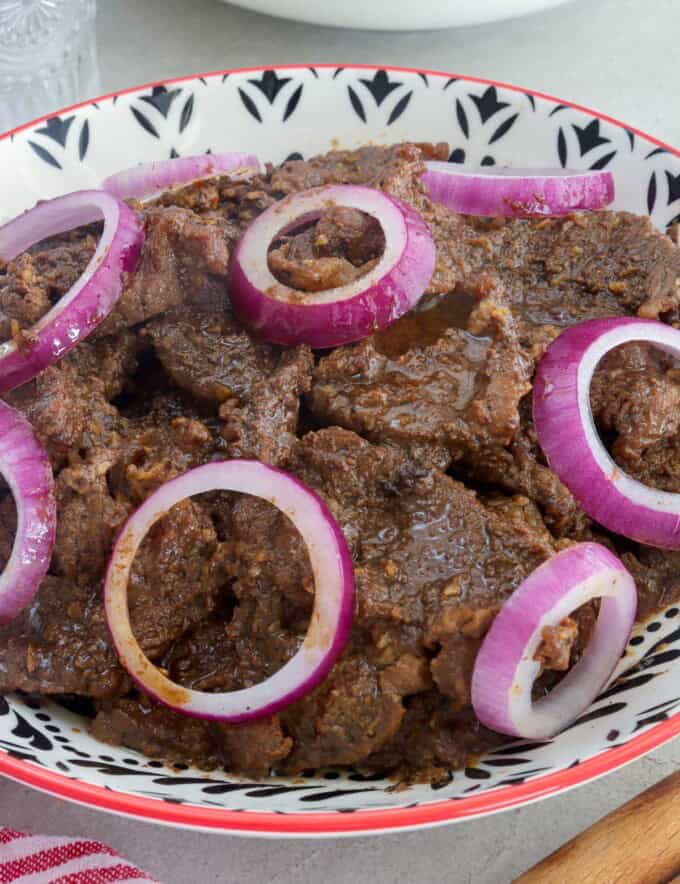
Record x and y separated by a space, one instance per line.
60 644
342 246
427 384
396 169
184 258
657 577
559 271
88 519
210 355
635 397
35 280
156 731
519 468
69 410
264 427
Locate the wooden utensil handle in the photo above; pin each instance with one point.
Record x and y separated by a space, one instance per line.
639 843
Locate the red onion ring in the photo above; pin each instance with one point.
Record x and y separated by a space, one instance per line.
331 618
347 313
90 300
152 178
517 193
505 668
26 469
570 441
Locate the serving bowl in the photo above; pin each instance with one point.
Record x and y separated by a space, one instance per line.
297 111
400 16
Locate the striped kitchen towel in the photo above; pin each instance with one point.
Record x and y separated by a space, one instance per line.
42 859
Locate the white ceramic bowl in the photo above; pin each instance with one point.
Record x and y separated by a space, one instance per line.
300 111
397 15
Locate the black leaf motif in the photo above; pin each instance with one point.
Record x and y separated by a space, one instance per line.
223 788
296 155
444 781
673 187
450 81
673 636
423 77
203 80
562 147
488 161
4 706
187 112
603 161
144 122
113 770
666 705
589 136
249 105
488 103
652 719
84 140
505 762
627 684
357 777
173 153
674 220
314 72
225 77
356 104
518 748
337 71
57 129
115 99
44 155
461 116
472 788
292 102
651 193
613 735
659 659
503 128
557 109
655 152
477 773
95 105
399 108
335 793
631 138
25 731
602 712
273 791
380 86
161 99
23 756
531 99
457 155
270 84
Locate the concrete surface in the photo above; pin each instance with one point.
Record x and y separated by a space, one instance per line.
620 56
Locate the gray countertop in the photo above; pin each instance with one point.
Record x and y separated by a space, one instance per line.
619 56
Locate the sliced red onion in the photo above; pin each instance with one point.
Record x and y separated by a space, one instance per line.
26 469
152 178
80 310
331 618
568 436
517 193
505 668
339 315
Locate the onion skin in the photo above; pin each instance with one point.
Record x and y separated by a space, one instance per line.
26 469
152 178
283 315
331 618
517 193
569 439
89 301
505 668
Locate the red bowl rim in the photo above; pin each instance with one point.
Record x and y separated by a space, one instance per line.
336 823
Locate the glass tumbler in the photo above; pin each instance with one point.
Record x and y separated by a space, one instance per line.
48 57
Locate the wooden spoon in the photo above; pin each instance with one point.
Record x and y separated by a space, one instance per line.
639 843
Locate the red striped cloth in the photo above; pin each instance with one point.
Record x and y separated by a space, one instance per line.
39 859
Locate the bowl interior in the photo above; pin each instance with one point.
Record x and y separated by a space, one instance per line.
296 112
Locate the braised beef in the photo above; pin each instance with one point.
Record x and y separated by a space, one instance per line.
221 590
